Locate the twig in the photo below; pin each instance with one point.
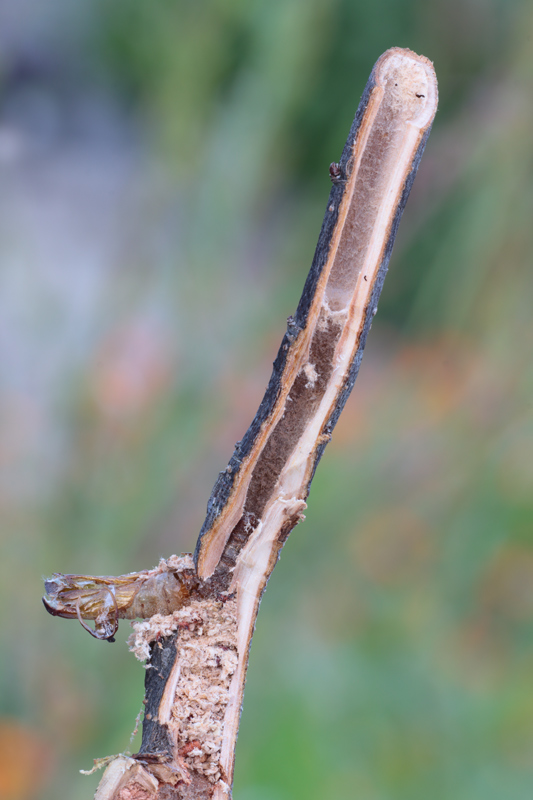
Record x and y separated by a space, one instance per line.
197 643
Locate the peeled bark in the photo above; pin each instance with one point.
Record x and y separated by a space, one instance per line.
198 654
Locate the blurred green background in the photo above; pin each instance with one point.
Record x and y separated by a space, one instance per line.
163 174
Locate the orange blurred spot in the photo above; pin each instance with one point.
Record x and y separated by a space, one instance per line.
25 761
393 546
438 372
132 371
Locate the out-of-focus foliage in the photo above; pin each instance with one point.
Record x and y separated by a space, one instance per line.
164 170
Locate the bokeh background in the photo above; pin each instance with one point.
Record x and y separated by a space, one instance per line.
163 176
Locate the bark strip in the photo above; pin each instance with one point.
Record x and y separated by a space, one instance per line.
199 641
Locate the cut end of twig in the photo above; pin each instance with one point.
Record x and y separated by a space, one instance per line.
413 79
126 779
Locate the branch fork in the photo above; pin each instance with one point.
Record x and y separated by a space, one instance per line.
198 613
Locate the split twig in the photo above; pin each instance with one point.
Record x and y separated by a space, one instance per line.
199 615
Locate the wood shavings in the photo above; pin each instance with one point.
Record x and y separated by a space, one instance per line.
206 660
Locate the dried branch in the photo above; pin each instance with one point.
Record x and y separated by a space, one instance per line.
199 616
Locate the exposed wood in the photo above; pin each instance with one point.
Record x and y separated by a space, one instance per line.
198 654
